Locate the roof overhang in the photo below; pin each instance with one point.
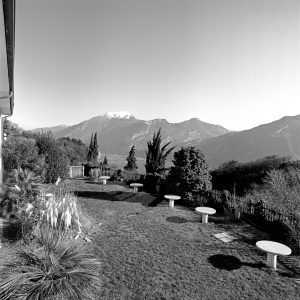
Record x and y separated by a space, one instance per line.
7 54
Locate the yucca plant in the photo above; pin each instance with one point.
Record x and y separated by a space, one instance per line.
59 269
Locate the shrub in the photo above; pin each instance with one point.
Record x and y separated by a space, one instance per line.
59 269
61 209
239 177
189 176
130 176
281 190
75 150
19 152
21 200
57 164
94 173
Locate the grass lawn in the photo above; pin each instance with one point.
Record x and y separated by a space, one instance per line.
163 253
156 252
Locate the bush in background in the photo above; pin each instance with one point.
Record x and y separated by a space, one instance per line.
281 190
130 176
189 176
19 152
239 177
57 164
75 150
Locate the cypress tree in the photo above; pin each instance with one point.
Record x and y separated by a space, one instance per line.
90 150
95 149
105 162
131 160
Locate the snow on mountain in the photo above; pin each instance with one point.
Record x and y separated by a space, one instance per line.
118 114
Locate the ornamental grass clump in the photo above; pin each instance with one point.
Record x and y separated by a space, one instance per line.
62 212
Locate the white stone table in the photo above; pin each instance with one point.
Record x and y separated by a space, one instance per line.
273 249
205 211
171 199
136 186
104 178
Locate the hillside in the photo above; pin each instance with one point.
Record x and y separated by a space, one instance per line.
281 137
117 133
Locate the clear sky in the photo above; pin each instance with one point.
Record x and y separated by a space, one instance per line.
235 63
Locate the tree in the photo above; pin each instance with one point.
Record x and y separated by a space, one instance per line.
90 150
241 176
19 152
57 163
189 176
75 150
131 160
93 151
156 155
105 162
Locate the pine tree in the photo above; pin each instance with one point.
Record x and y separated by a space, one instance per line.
131 160
156 155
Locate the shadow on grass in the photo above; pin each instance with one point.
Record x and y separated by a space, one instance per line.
114 196
111 196
176 219
92 182
292 275
156 201
230 262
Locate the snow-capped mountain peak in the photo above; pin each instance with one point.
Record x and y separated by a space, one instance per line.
119 114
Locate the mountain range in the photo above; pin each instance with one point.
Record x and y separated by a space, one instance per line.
117 132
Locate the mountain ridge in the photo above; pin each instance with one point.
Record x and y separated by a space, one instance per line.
116 135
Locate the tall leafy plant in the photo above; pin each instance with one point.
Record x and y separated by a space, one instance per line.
156 155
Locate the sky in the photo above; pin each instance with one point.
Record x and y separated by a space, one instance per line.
234 63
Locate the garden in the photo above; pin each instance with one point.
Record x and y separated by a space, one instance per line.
83 239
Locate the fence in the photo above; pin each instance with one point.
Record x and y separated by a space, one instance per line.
259 210
96 172
76 171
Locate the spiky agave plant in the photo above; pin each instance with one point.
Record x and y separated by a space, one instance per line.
60 269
